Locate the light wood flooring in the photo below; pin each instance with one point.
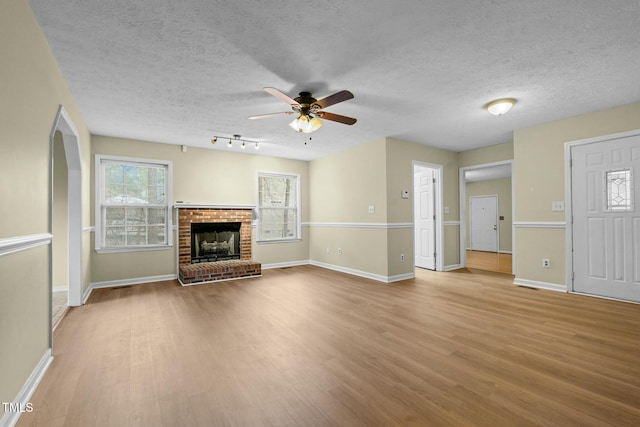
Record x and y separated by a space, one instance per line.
489 261
306 346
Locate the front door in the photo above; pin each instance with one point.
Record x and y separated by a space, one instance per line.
484 223
605 186
425 218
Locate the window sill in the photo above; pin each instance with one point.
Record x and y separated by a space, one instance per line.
133 249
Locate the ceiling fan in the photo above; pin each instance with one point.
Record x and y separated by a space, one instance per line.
309 109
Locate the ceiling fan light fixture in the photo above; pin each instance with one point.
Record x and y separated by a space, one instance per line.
500 106
305 124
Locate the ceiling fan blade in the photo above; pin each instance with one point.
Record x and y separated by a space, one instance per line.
327 101
336 118
264 116
275 92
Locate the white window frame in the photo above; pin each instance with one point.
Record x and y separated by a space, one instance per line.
99 203
298 226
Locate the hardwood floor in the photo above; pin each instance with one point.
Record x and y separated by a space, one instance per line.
306 346
489 261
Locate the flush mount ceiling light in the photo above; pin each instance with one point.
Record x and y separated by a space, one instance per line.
305 124
500 106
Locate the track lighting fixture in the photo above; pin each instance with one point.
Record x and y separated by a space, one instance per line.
234 138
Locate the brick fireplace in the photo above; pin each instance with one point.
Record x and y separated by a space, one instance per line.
198 269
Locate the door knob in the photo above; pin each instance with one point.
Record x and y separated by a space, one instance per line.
495 227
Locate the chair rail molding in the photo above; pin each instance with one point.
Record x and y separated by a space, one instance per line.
11 245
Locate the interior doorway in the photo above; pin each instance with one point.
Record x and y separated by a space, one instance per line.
477 183
427 208
60 240
65 221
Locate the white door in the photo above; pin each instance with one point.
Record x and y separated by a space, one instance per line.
605 186
425 218
484 223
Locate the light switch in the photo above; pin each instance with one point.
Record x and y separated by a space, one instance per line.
557 206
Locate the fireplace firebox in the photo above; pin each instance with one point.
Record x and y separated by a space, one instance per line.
215 241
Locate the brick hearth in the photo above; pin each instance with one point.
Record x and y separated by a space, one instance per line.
221 270
215 271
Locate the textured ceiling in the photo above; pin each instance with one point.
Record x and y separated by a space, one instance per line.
181 72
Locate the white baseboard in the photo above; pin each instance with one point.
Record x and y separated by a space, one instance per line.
86 294
10 419
285 264
126 282
365 274
400 277
539 285
452 267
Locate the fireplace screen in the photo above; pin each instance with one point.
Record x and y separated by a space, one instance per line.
212 242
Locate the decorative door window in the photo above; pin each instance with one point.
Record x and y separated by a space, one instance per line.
618 191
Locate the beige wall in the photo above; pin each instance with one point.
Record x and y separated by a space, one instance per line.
32 89
502 189
200 176
343 186
539 179
490 154
400 158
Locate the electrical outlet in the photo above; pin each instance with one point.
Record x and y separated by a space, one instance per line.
557 206
339 251
402 257
546 263
372 209
328 251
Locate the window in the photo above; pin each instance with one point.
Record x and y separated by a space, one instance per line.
278 211
132 204
618 187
